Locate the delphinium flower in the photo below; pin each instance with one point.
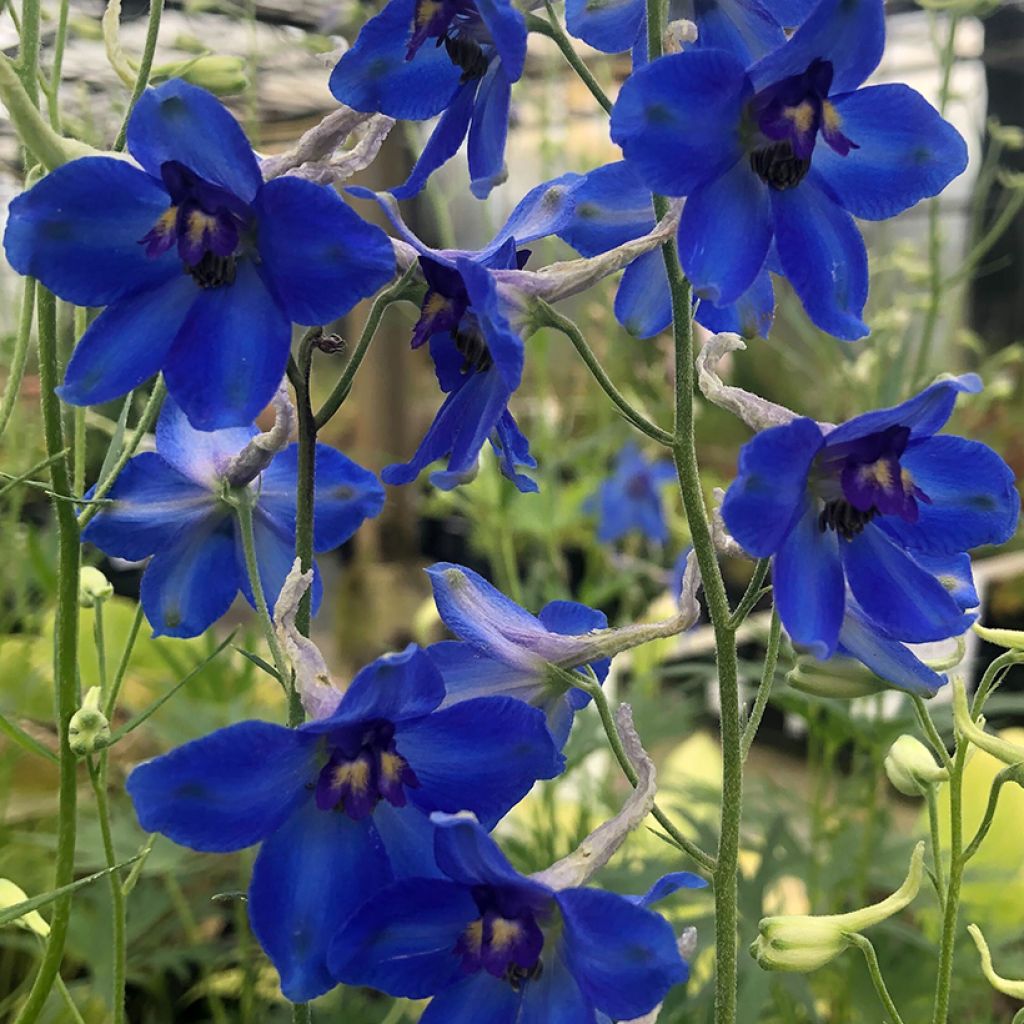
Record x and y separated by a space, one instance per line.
340 805
783 153
418 58
631 498
489 943
176 505
611 205
882 505
201 264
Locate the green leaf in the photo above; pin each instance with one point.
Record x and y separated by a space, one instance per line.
26 742
259 662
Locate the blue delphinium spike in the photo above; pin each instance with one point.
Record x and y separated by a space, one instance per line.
631 499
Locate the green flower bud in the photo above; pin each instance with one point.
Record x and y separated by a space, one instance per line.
1011 639
222 75
1013 989
803 943
93 586
911 768
89 730
974 732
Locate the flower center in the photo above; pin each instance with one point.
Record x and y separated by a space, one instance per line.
456 24
788 116
204 221
363 769
505 940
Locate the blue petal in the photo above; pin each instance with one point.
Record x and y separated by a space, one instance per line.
545 210
724 234
974 499
444 141
127 343
467 672
823 255
505 346
389 207
407 835
848 33
200 455
908 602
479 999
924 414
611 205
469 856
375 76
395 687
346 494
750 316
487 132
481 755
611 27
570 618
311 875
513 452
78 231
906 152
320 257
230 354
643 303
402 941
954 573
677 119
667 885
743 27
762 505
191 583
154 503
178 121
624 958
884 656
807 575
227 790
555 995
508 30
790 13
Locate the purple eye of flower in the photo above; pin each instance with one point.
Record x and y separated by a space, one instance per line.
505 940
363 769
206 223
788 116
863 478
458 26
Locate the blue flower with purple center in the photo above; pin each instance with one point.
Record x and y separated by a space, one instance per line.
419 58
484 939
776 159
202 265
882 505
503 649
173 506
631 500
340 805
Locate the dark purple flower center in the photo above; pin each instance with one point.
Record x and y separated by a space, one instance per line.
788 116
363 769
505 940
640 486
862 479
457 25
205 222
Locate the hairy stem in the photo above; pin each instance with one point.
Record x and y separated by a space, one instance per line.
764 689
156 10
19 357
552 28
865 946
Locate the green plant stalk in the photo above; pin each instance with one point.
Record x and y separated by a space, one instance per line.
751 595
993 677
864 945
951 903
122 668
553 30
118 903
28 54
101 646
924 719
764 689
933 828
65 659
19 357
68 1001
305 497
60 42
1008 774
18 735
156 10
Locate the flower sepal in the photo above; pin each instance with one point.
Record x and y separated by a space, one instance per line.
89 730
911 768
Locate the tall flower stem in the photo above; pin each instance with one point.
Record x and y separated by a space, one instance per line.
156 10
554 31
65 656
19 357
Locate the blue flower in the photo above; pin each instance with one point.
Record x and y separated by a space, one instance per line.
170 504
503 649
871 504
485 938
418 58
611 205
785 152
631 498
201 264
340 805
477 351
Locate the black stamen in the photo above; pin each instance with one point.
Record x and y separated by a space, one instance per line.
846 520
212 271
778 166
516 975
466 54
474 350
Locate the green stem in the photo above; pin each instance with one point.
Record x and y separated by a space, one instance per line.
933 828
553 30
65 659
28 55
53 93
97 774
115 687
764 689
994 675
752 594
924 719
19 357
101 646
864 945
18 735
156 10
76 1016
1009 774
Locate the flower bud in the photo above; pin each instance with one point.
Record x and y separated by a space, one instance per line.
802 943
679 34
89 730
93 586
10 896
911 768
974 732
1013 989
222 75
1011 639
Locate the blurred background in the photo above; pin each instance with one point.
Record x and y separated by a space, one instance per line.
823 829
